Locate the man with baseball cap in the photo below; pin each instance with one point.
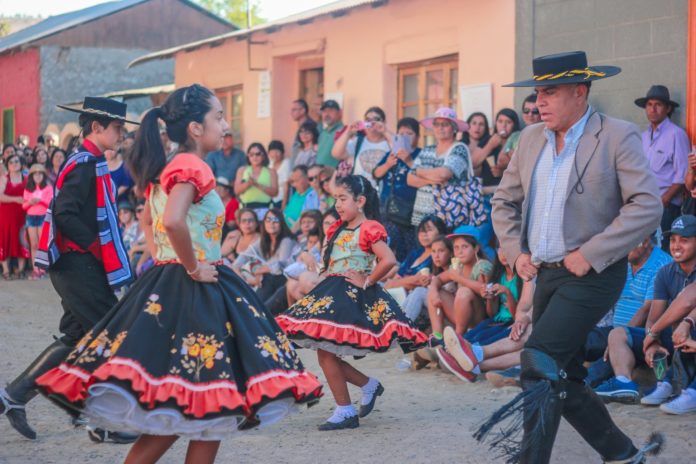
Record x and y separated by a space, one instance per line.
667 148
331 124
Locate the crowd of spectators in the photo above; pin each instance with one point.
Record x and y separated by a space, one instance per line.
451 277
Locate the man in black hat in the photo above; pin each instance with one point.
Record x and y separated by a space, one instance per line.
81 247
667 148
577 196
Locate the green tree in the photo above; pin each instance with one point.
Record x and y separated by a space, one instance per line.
4 28
235 11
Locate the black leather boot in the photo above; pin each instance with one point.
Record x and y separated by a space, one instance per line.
23 389
541 377
589 416
536 411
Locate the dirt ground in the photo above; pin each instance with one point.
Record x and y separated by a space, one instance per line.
424 416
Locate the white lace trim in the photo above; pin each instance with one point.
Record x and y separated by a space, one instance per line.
111 407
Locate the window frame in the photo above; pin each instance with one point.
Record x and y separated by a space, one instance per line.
446 64
3 138
228 94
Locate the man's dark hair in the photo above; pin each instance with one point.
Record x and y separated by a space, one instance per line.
85 120
303 104
531 98
588 85
302 168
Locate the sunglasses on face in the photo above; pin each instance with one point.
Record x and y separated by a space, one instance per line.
375 119
139 210
272 220
535 111
14 161
255 153
313 178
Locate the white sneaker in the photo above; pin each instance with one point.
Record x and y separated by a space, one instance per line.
683 404
661 393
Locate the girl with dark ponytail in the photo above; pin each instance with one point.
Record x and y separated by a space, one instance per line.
181 369
348 312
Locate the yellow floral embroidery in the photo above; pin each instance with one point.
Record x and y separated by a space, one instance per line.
153 308
200 351
280 350
213 229
380 312
87 351
352 292
310 306
344 240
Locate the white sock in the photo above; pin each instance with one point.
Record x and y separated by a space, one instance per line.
623 379
368 390
478 351
341 413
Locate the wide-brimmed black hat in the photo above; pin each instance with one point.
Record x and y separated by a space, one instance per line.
565 68
101 106
656 92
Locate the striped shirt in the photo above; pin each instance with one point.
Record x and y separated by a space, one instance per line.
548 194
639 287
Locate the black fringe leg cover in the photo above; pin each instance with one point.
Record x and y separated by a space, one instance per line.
536 412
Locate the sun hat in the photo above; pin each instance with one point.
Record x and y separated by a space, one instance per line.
445 113
656 92
101 106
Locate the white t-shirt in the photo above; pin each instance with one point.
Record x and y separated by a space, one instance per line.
369 157
283 172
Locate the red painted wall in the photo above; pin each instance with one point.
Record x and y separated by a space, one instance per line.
19 88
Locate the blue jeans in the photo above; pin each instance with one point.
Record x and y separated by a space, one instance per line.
487 332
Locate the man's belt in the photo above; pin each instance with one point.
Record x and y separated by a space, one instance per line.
554 265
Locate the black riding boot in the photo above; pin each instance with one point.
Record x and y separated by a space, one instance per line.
21 390
541 377
537 411
589 416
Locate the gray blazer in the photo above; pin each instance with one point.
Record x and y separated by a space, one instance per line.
614 207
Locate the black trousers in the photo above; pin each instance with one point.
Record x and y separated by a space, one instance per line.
567 308
80 281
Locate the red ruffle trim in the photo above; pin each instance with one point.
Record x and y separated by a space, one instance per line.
195 399
345 334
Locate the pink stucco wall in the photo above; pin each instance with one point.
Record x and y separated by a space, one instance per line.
361 52
19 89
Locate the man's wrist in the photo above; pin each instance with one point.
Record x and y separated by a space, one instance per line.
652 334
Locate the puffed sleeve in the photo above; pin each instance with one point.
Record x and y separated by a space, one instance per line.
189 168
371 232
332 230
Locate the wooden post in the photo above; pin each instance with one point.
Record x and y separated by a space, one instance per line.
691 72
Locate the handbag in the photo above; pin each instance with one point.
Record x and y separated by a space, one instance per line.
460 205
399 210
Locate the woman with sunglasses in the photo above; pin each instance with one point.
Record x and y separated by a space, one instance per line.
362 145
247 233
320 180
13 217
530 115
262 264
256 184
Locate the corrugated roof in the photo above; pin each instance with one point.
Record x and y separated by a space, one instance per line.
305 17
55 24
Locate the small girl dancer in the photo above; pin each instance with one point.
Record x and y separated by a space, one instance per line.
189 351
347 313
38 194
